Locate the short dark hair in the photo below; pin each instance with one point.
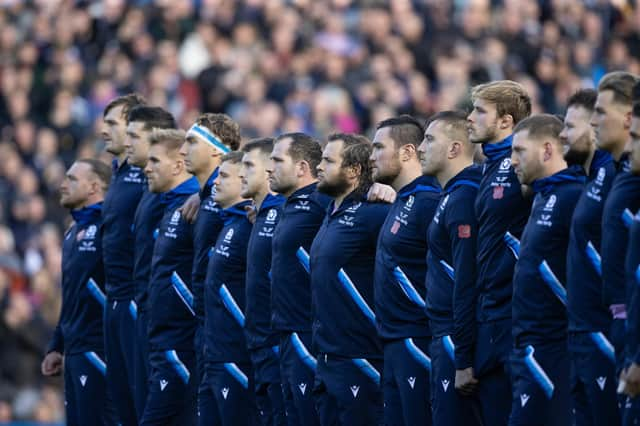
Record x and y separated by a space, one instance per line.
233 157
585 98
265 145
405 130
621 83
541 126
303 148
152 117
223 126
457 126
100 169
127 102
355 153
636 100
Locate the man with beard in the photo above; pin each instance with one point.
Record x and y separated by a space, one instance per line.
447 154
502 211
593 373
262 341
342 259
540 360
125 191
79 333
400 271
140 122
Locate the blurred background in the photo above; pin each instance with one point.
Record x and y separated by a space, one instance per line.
316 66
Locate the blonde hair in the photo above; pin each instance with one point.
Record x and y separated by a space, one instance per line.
172 139
508 96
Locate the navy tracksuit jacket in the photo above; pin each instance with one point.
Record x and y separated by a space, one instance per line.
172 322
632 269
399 295
540 366
79 333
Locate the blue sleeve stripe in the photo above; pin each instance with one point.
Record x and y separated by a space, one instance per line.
303 257
368 369
276 350
97 362
302 352
356 296
407 288
133 309
594 257
206 135
627 218
417 354
604 345
231 305
513 243
183 291
552 281
95 291
447 268
178 366
447 342
237 374
538 373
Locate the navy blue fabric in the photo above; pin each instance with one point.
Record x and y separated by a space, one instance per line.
406 382
85 391
80 327
622 202
302 215
500 208
227 399
632 269
141 368
400 268
258 276
172 320
267 386
342 264
539 296
118 242
225 289
451 276
586 310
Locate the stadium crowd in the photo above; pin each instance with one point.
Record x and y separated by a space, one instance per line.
313 66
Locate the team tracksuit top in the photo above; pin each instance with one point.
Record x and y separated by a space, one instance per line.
301 217
342 261
502 213
171 315
118 241
258 277
79 328
400 269
622 202
224 291
584 270
205 233
451 269
633 288
539 296
145 221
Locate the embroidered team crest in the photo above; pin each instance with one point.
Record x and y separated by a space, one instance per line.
506 163
550 203
229 236
271 216
498 192
175 219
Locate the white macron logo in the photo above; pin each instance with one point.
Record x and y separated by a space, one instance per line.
354 390
163 384
524 398
445 384
83 380
412 381
302 387
225 392
602 382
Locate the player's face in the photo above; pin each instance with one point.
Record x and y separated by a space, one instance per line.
228 184
282 170
577 135
384 158
76 186
114 128
635 145
253 173
160 168
526 157
608 122
136 143
433 149
483 122
197 155
332 179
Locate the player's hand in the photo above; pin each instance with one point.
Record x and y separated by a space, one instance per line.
251 213
52 364
466 384
381 193
632 379
190 208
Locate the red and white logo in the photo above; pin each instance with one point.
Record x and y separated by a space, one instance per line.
395 227
498 192
464 231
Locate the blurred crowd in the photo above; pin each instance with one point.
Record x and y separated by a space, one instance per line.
275 66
